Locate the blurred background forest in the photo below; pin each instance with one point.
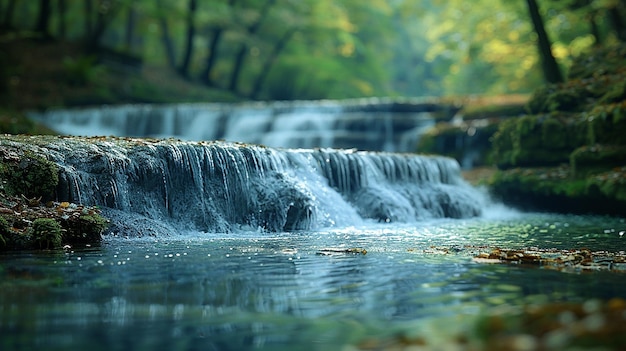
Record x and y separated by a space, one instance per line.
304 49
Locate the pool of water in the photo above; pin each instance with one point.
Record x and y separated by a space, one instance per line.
265 291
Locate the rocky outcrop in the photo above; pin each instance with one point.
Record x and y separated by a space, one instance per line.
29 216
160 186
568 153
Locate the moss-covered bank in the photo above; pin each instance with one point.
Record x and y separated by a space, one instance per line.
569 152
29 219
467 137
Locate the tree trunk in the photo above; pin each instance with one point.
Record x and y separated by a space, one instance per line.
191 32
168 44
241 54
595 30
43 18
129 31
207 72
88 21
270 61
7 21
617 22
551 70
108 9
62 9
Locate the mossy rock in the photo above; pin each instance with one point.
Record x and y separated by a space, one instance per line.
467 142
556 98
554 189
611 184
46 233
598 62
84 229
494 111
28 174
535 140
598 158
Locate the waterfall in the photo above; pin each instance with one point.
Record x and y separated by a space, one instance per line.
222 186
366 124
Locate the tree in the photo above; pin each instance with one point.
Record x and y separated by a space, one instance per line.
191 32
251 30
43 18
7 20
551 70
270 61
62 10
217 27
616 18
129 30
166 38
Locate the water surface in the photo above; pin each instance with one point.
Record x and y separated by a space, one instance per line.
252 290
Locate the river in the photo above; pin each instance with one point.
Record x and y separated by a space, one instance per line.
253 290
226 246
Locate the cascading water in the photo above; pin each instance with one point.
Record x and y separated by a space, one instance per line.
221 186
365 124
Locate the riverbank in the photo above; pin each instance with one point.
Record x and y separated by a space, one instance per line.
29 219
564 152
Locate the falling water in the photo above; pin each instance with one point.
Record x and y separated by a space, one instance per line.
220 186
366 124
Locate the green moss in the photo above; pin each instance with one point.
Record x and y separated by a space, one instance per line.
86 228
533 140
28 174
4 230
597 158
611 183
493 111
46 233
556 98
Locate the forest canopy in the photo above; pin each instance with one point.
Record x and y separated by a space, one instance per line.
316 49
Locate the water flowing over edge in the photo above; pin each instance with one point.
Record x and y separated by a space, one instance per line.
151 186
373 124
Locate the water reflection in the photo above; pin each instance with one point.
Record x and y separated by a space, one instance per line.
262 291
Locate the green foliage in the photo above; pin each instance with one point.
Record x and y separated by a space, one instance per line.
46 233
340 48
81 71
14 122
29 174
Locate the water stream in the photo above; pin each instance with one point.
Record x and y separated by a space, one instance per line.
252 290
224 246
366 124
